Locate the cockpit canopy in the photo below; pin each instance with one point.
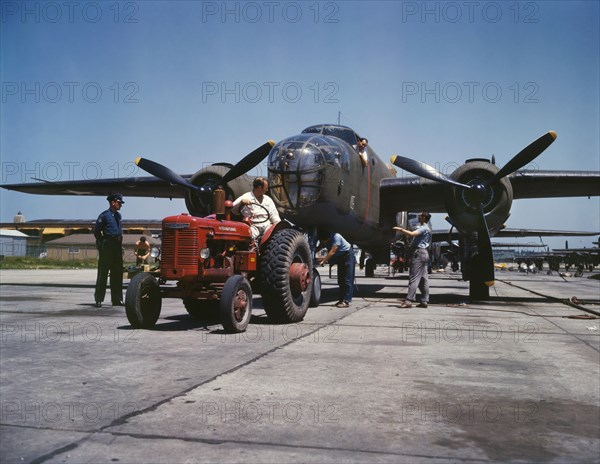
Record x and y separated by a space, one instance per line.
308 151
296 164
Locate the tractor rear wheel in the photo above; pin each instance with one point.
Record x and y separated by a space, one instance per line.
143 301
286 270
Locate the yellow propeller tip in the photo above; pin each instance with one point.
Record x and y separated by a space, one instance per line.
490 283
137 160
272 143
393 158
553 134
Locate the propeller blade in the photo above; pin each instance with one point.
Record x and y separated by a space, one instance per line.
424 170
485 250
251 160
525 156
164 173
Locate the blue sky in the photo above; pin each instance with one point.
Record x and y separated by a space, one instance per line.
89 86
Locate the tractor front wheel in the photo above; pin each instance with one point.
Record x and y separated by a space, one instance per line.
236 304
143 301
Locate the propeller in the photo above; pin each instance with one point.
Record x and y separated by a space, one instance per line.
424 170
249 161
478 191
244 165
525 156
164 173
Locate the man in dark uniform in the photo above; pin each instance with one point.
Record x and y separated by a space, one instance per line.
109 238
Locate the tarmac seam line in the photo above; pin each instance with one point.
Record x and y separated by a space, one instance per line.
56 452
566 303
558 300
123 419
212 441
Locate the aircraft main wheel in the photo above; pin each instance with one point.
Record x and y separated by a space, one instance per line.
143 301
285 294
236 304
315 296
370 268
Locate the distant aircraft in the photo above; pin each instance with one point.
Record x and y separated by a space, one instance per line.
318 181
579 258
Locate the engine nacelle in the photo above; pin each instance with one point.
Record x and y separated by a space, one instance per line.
200 205
463 205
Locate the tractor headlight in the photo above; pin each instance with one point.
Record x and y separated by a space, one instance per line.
155 252
205 253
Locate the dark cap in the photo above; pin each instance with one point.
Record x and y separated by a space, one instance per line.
115 197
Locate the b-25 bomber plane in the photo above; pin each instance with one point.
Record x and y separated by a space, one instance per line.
318 181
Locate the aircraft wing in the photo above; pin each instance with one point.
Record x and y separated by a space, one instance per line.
508 232
444 235
79 224
418 194
552 184
45 227
149 186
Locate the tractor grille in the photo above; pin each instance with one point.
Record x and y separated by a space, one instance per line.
180 248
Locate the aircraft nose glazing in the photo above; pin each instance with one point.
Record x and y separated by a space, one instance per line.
295 173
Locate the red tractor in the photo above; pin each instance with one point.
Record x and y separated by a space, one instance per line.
214 261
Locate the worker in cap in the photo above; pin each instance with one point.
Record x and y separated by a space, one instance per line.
109 239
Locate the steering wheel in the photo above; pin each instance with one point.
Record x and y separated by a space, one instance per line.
266 211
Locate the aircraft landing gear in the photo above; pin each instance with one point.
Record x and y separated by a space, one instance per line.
478 290
370 267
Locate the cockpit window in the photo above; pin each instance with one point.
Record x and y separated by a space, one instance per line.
341 132
333 150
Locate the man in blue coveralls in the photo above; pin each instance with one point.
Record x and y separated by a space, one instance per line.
340 252
109 241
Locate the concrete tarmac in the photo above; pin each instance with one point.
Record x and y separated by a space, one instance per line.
512 379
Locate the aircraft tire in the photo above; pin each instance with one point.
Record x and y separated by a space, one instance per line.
478 290
281 303
315 295
236 304
370 268
143 301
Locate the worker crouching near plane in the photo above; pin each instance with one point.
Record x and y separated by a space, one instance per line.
418 275
340 252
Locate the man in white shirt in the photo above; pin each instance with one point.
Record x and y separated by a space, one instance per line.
258 207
